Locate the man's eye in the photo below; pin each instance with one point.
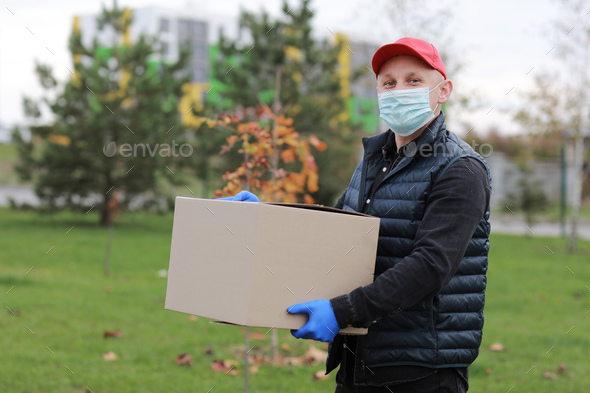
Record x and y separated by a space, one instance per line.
414 81
389 83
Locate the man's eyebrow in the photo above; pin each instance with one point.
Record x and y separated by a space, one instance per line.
408 75
414 73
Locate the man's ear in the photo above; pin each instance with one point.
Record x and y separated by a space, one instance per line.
445 91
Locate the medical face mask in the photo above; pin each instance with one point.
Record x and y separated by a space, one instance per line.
406 111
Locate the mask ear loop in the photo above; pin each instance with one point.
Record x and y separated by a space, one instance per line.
433 90
435 86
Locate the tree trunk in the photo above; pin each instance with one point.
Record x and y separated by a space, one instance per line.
107 252
577 192
274 340
247 361
105 214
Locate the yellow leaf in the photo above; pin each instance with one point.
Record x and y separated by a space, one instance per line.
312 182
109 356
59 139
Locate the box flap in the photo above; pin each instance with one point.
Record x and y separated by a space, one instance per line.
317 207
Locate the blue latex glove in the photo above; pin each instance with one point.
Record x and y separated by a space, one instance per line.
322 324
242 196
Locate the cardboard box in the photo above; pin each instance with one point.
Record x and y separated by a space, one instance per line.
245 263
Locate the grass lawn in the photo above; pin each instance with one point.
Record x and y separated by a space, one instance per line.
58 304
8 158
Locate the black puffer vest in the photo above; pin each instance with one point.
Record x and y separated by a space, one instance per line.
444 331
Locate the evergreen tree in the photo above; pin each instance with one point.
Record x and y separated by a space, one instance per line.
113 134
278 63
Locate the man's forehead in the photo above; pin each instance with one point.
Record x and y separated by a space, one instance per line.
405 66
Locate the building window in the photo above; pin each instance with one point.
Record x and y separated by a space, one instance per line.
164 25
165 48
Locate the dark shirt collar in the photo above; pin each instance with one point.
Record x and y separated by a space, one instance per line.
390 149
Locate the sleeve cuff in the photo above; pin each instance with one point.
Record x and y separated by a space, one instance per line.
343 310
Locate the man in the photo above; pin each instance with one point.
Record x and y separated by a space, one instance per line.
424 309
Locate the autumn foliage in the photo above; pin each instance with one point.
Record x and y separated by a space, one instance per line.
277 164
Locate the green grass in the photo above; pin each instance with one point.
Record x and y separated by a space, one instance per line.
8 158
54 277
536 294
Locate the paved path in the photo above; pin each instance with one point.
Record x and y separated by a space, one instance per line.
517 225
20 194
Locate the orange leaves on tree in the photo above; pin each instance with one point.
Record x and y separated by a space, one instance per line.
315 142
277 162
288 156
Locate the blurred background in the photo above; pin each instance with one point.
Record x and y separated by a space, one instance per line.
109 110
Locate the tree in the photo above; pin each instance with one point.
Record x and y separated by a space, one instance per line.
279 64
558 105
113 129
277 163
530 199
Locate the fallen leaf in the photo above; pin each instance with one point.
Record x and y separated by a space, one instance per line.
108 289
320 376
561 368
184 358
233 367
256 359
217 366
496 347
253 370
109 356
258 336
112 333
294 361
286 347
549 375
193 318
315 355
488 370
227 366
15 312
163 273
208 350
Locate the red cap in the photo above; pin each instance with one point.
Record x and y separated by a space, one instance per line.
412 47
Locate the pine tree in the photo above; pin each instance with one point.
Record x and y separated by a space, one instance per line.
113 134
281 65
